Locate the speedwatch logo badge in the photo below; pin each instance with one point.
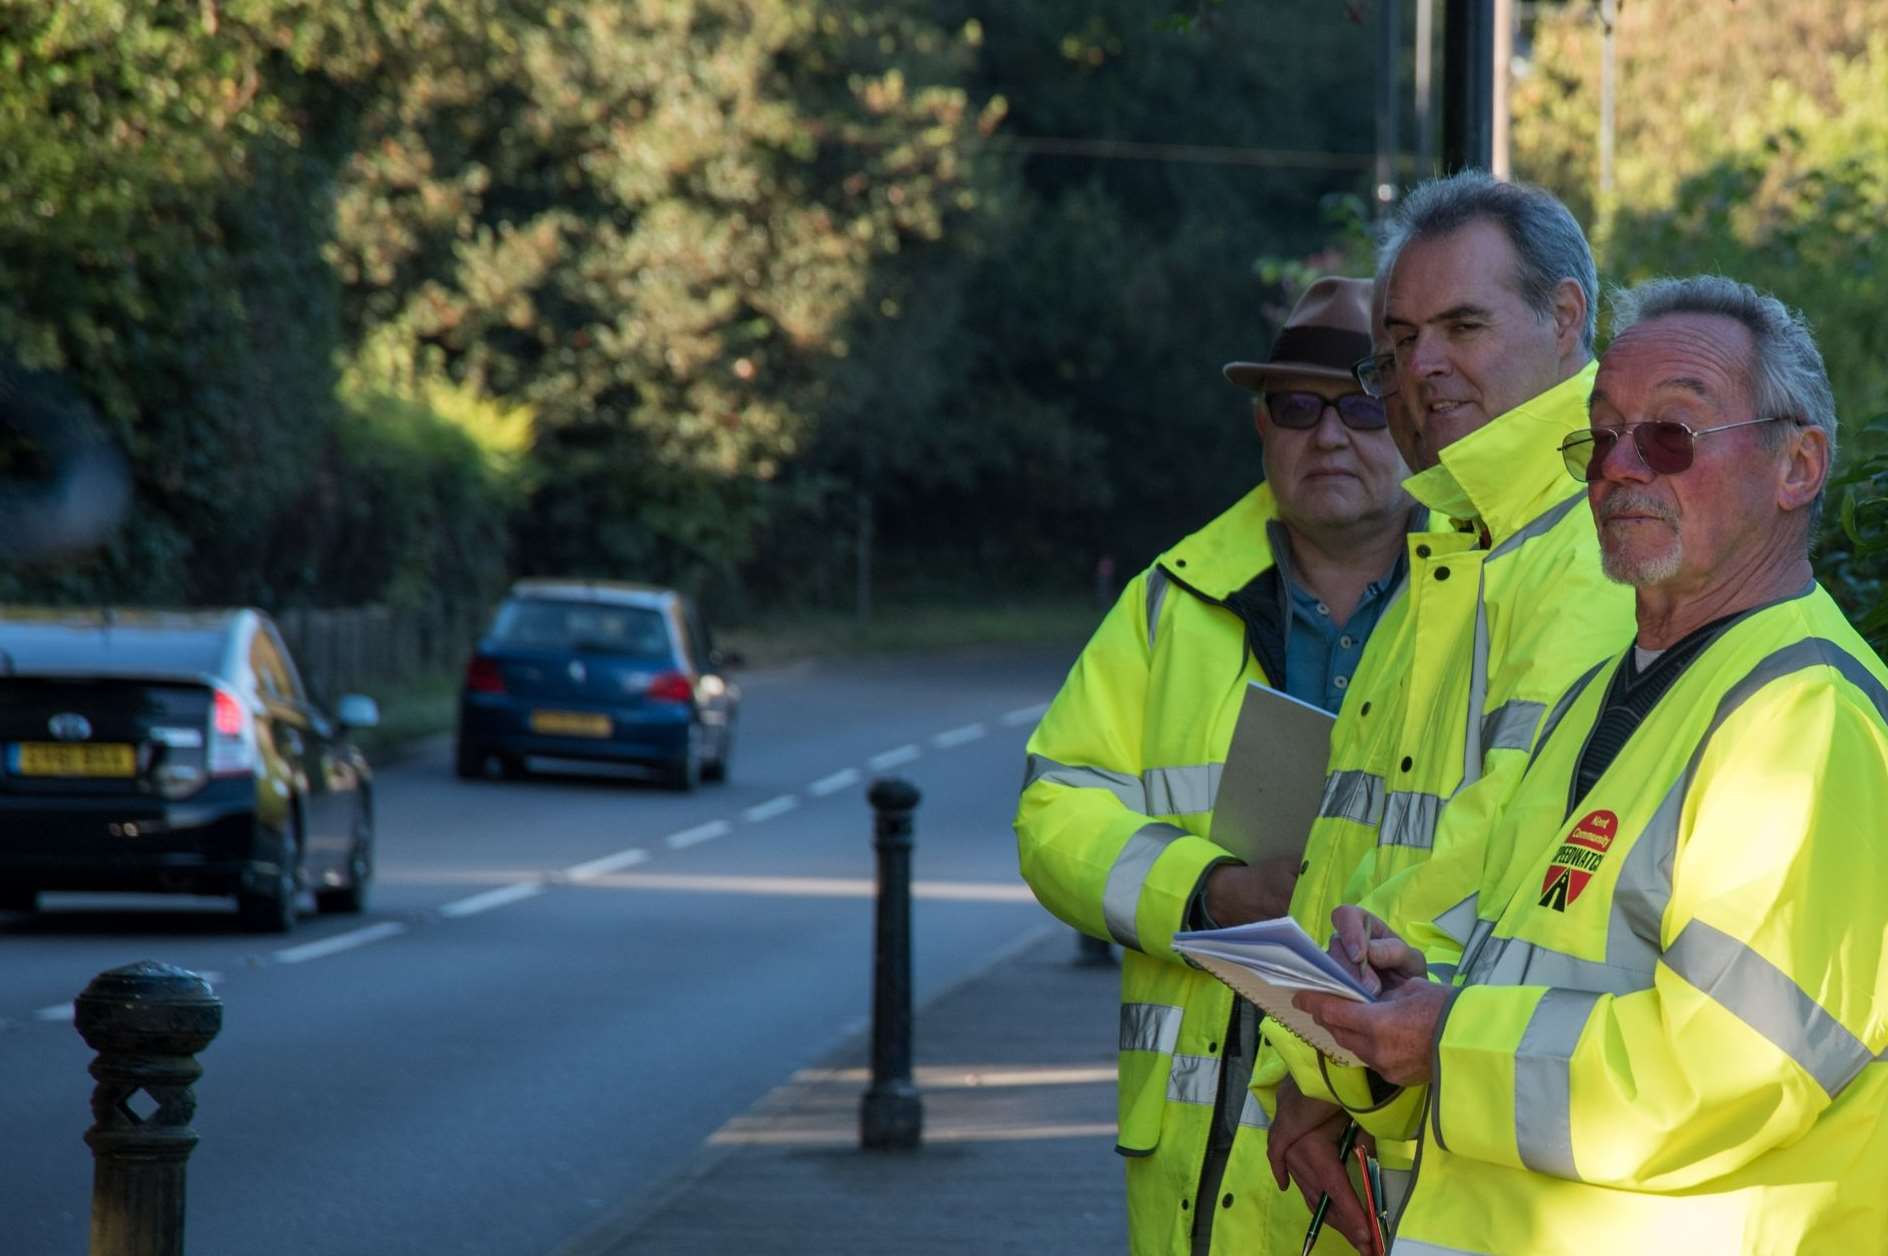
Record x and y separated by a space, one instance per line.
1578 858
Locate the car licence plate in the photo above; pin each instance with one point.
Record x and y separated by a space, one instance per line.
570 724
49 758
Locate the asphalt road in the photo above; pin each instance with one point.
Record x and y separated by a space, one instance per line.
561 987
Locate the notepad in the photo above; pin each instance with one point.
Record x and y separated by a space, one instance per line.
1273 780
1268 961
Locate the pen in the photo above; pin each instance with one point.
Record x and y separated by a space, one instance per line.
1324 1200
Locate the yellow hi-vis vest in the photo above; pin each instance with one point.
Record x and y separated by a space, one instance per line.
1671 1028
1111 826
1452 687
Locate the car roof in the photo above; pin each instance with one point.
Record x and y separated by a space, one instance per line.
110 641
608 592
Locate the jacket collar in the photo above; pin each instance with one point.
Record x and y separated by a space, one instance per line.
1509 472
1224 556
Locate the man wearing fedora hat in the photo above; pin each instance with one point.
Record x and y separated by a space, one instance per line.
1283 588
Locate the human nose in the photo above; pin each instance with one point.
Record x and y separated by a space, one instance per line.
1425 354
1330 432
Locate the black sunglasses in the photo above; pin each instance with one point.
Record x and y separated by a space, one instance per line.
1666 446
1300 411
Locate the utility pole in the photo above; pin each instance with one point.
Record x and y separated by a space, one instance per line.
1468 62
1499 112
1387 33
1425 111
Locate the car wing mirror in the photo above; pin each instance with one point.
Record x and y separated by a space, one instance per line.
357 710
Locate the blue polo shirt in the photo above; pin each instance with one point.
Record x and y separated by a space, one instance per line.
1320 656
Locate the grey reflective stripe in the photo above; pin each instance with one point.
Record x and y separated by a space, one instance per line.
1543 1103
1516 962
1181 791
1472 949
1156 594
1477 685
1763 996
1253 1114
1127 788
1543 522
1195 1079
1445 973
1561 707
1511 725
1409 819
1122 894
1459 921
1150 1027
1352 795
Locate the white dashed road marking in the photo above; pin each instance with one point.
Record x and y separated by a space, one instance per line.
700 833
1024 715
833 784
609 863
893 758
958 736
771 808
339 942
493 898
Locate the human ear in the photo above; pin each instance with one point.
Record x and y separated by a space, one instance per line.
1569 308
1805 468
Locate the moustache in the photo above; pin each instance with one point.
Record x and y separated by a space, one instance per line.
1625 502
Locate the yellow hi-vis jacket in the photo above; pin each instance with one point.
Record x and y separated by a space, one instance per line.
1451 689
1671 1028
1111 825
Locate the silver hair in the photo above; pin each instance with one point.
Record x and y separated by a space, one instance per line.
1546 238
1787 377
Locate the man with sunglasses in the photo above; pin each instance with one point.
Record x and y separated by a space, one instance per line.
1112 825
1666 1032
1486 327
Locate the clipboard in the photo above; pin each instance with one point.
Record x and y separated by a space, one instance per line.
1273 780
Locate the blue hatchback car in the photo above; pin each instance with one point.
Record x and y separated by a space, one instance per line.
598 671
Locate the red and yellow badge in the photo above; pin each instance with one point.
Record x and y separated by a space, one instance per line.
1578 858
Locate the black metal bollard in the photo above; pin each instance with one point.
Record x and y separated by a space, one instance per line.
891 1115
147 1021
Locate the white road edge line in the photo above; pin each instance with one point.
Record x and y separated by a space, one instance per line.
833 784
1024 715
493 898
609 863
771 808
339 942
700 833
894 758
958 736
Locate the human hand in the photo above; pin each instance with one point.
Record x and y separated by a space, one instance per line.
1372 952
1237 894
1303 1147
1395 1035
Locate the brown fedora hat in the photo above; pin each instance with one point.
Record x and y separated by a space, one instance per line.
1327 331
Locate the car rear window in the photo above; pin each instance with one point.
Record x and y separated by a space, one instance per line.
543 624
121 650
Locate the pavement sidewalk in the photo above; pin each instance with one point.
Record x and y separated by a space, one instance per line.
1016 1069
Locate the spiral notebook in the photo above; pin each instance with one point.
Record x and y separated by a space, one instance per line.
1268 961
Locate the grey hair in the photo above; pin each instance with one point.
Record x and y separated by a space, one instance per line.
1547 239
1787 377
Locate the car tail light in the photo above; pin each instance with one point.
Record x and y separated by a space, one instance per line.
482 675
232 736
671 687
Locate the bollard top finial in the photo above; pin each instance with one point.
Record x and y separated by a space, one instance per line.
148 1008
892 793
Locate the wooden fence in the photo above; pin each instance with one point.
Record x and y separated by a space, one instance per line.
371 649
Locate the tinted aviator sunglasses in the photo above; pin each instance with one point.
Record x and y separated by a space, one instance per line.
1666 446
1301 411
